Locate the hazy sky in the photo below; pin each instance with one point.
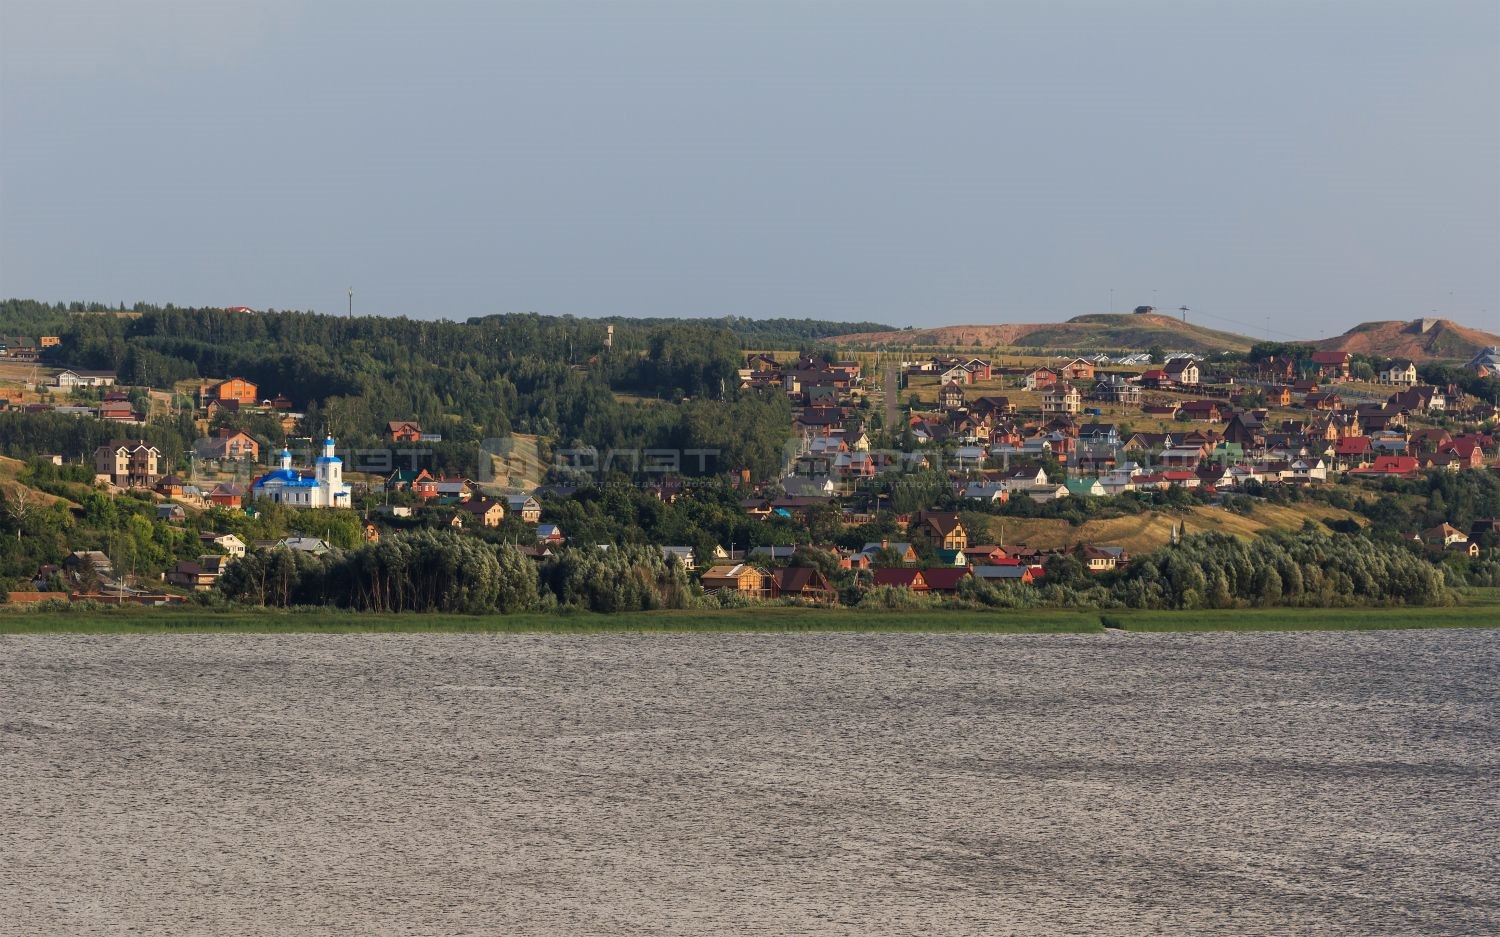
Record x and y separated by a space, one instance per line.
1320 163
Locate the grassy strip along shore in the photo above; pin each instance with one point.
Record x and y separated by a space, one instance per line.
1481 609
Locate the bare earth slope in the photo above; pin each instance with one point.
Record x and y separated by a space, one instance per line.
1080 333
1442 338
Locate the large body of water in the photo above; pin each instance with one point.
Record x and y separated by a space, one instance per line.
1337 783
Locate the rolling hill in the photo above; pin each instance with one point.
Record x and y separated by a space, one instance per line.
1420 340
1097 332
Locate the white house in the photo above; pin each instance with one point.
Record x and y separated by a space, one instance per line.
325 489
958 374
1309 470
1400 373
67 379
1182 370
231 544
1046 492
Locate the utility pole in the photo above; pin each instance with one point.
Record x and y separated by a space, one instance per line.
351 302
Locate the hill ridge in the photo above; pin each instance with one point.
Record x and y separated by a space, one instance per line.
1422 339
1088 332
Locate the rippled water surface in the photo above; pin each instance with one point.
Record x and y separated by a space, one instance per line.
1334 783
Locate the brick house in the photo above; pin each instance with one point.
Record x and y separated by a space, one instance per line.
235 388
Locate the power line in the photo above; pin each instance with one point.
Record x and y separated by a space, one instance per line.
1246 327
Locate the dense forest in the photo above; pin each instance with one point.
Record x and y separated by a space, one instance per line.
481 379
444 571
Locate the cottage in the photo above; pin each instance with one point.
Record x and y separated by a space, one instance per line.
1401 466
1332 365
1115 390
453 489
904 552
1006 573
1039 379
1182 371
943 530
1100 559
404 431
1099 434
1079 369
945 579
233 445
1206 411
951 396
1046 492
200 576
1276 368
69 379
1401 373
912 579
994 492
1307 471
958 374
237 389
227 495
482 512
802 582
119 411
1444 535
1084 488
740 577
991 406
527 508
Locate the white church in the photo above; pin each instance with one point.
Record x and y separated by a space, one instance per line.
325 489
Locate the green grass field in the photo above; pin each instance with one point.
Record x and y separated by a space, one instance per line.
1481 609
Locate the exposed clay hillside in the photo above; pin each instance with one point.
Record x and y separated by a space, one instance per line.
1142 533
1419 339
1082 333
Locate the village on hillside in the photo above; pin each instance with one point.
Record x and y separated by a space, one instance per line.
909 472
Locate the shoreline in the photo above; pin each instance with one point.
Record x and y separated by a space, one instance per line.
1485 613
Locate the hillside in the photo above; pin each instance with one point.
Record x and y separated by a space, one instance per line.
1146 532
1099 332
1419 339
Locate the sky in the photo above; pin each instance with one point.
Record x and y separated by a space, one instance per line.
1282 168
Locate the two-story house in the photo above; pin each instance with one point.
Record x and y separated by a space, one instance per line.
1182 371
1400 373
237 389
941 529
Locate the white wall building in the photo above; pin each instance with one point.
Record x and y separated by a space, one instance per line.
325 489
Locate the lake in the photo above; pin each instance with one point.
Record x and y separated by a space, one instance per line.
1258 783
